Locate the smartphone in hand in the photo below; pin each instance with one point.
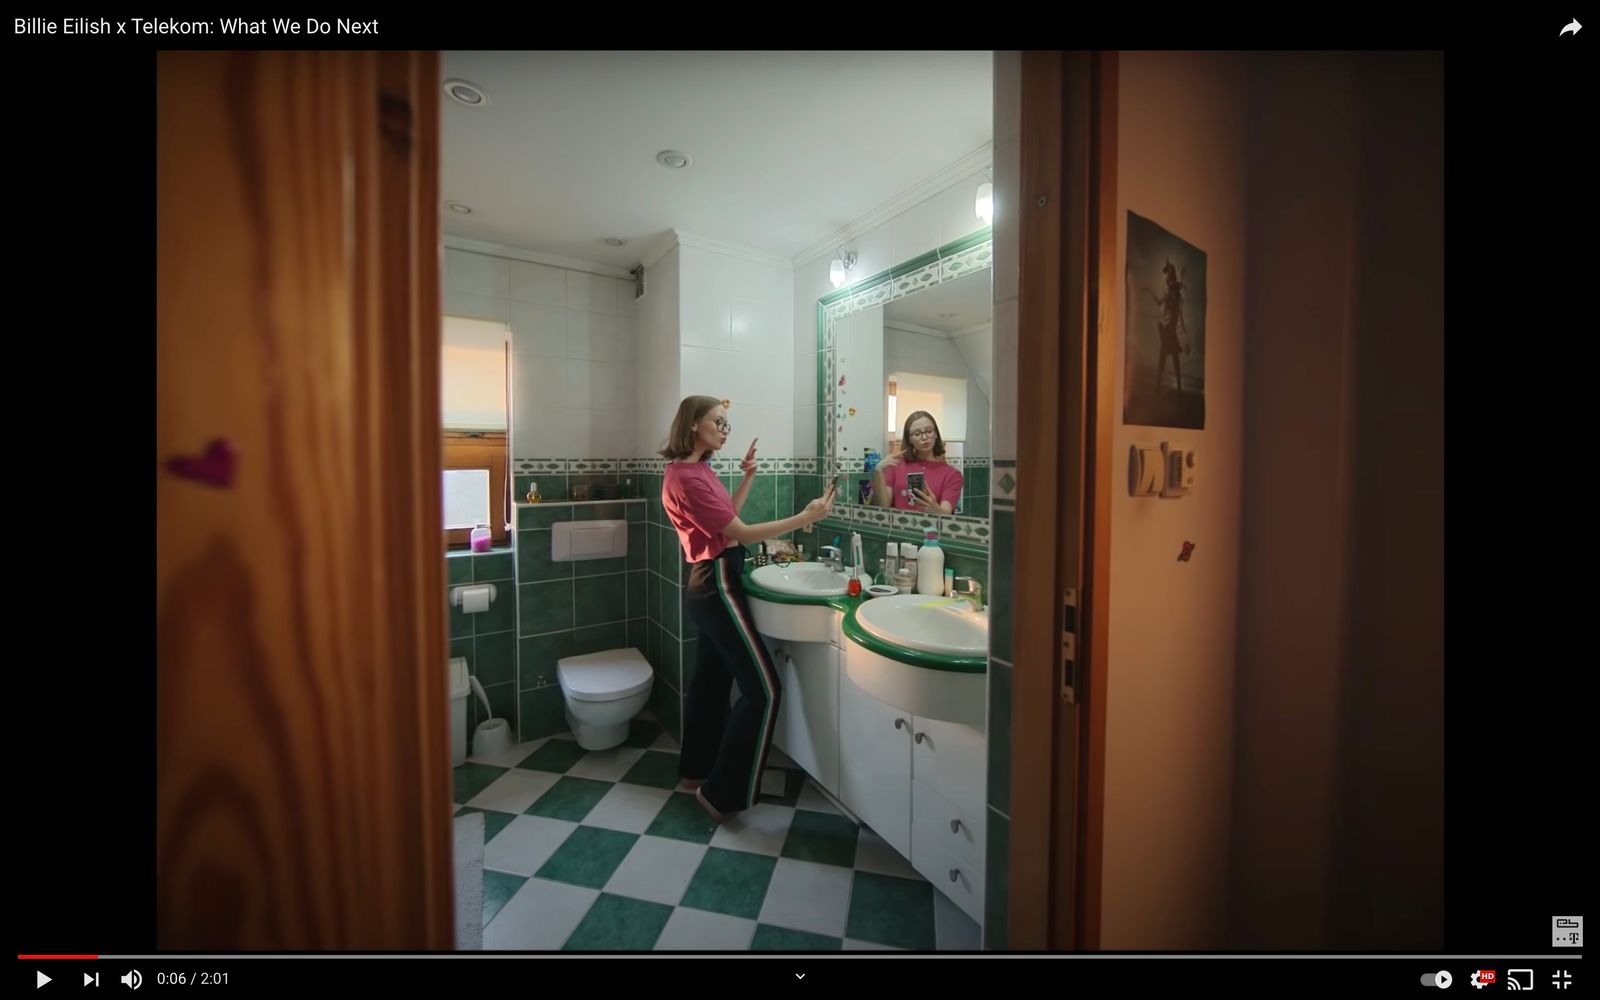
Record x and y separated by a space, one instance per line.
916 483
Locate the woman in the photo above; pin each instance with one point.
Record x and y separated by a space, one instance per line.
724 751
921 450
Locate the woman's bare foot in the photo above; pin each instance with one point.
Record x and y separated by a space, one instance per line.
700 797
690 784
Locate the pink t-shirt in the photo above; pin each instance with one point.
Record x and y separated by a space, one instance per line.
943 480
698 505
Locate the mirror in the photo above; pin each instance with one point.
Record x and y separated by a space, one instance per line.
917 339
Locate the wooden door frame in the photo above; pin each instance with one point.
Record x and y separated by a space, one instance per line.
1066 324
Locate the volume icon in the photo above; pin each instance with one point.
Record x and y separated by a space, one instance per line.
133 980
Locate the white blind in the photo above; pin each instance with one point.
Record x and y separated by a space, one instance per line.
473 367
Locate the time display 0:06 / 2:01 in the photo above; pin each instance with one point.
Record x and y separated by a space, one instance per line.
192 978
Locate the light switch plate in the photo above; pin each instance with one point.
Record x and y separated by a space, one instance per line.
1145 472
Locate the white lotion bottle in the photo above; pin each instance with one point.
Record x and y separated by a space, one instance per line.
930 566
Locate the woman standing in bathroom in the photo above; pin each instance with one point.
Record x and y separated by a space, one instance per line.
921 451
724 750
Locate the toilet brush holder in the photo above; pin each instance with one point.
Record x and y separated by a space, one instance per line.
493 736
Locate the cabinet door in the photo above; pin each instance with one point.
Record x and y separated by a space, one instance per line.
875 763
954 876
808 712
953 760
938 822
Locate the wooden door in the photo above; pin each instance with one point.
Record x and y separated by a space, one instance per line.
303 777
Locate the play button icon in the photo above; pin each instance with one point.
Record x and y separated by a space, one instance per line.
42 979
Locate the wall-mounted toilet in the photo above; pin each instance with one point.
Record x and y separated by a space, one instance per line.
603 692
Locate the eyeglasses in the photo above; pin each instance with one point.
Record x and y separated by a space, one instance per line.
724 427
924 434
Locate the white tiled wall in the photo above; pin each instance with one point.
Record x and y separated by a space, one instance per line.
659 322
575 352
737 343
598 374
861 354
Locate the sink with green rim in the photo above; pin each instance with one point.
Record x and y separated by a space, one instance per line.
946 626
801 579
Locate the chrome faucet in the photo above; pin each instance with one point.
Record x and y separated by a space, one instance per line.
972 593
831 555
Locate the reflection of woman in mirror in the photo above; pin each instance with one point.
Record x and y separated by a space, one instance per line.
921 451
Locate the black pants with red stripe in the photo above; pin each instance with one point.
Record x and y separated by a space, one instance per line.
727 747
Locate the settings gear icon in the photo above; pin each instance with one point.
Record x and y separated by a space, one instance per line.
1475 983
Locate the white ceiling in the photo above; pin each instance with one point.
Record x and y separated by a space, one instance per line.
948 307
788 147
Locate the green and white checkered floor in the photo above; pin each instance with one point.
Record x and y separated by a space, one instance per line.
595 851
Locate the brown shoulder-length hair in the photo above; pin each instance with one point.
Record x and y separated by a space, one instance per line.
906 449
680 440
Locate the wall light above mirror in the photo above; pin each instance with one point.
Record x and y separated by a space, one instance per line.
839 270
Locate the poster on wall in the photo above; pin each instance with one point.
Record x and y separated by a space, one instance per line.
1164 382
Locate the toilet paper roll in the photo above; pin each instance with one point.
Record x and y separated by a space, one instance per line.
474 599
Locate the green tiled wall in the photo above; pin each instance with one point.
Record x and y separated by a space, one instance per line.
1002 556
975 491
570 608
487 640
556 486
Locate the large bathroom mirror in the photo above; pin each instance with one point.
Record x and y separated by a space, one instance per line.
914 340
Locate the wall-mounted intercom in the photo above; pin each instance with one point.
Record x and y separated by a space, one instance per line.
1179 468
1167 471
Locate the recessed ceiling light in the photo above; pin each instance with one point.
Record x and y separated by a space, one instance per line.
612 241
673 159
470 94
456 206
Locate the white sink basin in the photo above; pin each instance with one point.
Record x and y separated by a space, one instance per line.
801 579
944 625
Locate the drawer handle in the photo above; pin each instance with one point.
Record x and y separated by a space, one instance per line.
955 874
899 723
921 736
955 826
